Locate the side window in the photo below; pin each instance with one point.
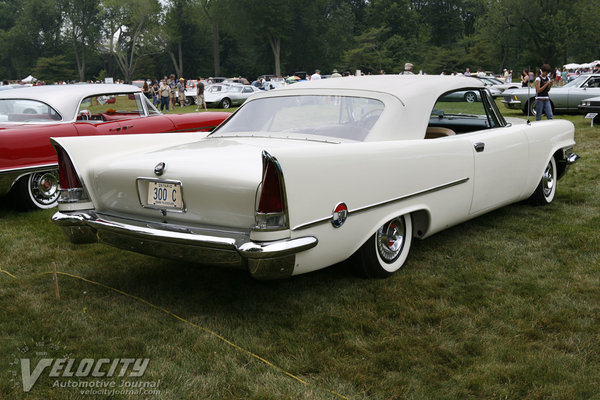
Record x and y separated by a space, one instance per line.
593 83
462 111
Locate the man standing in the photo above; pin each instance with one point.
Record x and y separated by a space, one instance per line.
181 91
200 95
408 69
543 83
316 75
173 85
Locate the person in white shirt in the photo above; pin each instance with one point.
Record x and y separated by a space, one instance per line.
316 75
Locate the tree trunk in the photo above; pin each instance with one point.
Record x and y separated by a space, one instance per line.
216 39
276 47
216 52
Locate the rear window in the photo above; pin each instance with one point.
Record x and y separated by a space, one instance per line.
23 110
342 117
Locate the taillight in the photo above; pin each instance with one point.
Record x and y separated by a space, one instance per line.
71 189
271 213
68 175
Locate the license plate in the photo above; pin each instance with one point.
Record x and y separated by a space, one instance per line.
165 195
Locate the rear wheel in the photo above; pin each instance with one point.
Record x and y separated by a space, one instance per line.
546 189
189 101
386 251
225 103
37 190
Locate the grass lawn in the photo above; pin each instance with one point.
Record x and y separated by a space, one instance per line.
506 306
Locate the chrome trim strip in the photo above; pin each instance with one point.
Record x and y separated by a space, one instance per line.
8 177
385 202
42 167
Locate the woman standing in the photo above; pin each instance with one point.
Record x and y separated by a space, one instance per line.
165 95
524 78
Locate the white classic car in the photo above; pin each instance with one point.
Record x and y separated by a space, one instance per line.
306 176
225 95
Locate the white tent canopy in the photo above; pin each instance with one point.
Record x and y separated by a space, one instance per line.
584 65
29 79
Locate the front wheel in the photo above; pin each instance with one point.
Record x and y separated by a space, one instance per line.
38 190
530 106
386 251
470 97
189 101
546 189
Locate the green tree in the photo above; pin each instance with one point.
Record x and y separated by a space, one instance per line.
130 31
82 27
53 69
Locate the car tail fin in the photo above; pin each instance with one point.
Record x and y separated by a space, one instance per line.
271 212
71 188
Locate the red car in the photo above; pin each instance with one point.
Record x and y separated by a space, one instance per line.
29 117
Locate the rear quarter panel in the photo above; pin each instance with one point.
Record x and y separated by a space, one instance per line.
29 146
364 175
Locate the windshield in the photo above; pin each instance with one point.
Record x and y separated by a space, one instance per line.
577 81
341 117
22 110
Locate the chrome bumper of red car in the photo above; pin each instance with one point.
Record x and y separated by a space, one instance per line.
264 260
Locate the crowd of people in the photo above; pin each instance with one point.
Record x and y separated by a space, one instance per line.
170 91
166 93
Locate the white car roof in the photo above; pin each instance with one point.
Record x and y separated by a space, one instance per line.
417 95
408 88
66 98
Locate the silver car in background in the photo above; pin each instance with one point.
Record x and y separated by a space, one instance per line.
563 99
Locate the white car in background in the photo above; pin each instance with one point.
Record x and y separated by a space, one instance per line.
307 176
224 95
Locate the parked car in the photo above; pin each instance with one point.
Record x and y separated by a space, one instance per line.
306 176
227 95
30 116
564 99
470 95
498 86
591 105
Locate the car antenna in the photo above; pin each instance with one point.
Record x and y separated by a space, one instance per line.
528 94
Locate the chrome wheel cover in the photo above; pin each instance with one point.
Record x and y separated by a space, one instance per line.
548 180
43 187
390 240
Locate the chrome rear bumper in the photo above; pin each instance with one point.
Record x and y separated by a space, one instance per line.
264 260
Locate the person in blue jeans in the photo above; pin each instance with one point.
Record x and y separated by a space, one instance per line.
165 93
543 83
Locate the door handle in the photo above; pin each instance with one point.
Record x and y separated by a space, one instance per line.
127 127
115 129
479 146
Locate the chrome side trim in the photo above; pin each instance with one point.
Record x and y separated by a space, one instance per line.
8 177
384 203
